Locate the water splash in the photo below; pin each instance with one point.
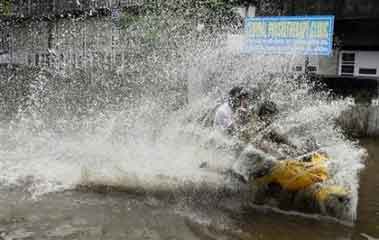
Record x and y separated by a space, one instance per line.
136 125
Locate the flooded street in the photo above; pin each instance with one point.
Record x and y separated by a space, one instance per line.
90 215
167 120
368 208
83 215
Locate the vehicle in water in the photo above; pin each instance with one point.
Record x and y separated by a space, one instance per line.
282 174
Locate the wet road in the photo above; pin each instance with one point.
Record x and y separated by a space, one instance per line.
89 215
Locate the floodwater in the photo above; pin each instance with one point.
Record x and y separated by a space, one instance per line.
84 214
271 225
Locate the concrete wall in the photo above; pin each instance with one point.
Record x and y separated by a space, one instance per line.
66 43
328 65
44 8
40 32
361 120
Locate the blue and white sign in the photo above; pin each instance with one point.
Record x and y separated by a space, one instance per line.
310 35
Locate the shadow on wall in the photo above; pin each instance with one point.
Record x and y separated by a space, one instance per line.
361 89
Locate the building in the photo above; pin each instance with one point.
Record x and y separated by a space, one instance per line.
53 8
39 32
356 37
54 33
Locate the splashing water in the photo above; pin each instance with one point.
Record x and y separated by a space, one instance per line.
135 126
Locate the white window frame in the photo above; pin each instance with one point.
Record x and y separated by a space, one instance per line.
341 61
358 64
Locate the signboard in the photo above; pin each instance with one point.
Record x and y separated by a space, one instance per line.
310 35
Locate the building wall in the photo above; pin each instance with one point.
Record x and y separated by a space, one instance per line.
361 9
356 27
44 8
363 64
328 65
361 120
342 9
40 32
368 59
65 43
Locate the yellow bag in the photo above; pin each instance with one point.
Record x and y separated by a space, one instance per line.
294 175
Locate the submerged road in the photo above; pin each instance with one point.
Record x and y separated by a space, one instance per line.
89 215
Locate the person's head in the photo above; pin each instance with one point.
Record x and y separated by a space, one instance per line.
238 97
267 110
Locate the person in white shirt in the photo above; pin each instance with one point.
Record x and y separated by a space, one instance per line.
232 111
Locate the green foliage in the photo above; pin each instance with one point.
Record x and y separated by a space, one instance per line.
5 7
127 19
215 15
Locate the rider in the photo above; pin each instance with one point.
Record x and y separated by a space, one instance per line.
233 112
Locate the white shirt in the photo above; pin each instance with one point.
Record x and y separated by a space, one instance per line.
224 117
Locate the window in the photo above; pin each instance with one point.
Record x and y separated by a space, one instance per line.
368 71
119 59
348 57
94 58
30 60
73 62
80 61
347 67
47 59
4 41
312 69
347 70
37 59
101 58
42 59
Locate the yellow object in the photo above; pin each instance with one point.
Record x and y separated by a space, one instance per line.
294 175
323 193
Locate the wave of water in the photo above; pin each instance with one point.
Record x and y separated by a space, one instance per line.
150 144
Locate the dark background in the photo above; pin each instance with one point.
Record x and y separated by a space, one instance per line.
356 25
